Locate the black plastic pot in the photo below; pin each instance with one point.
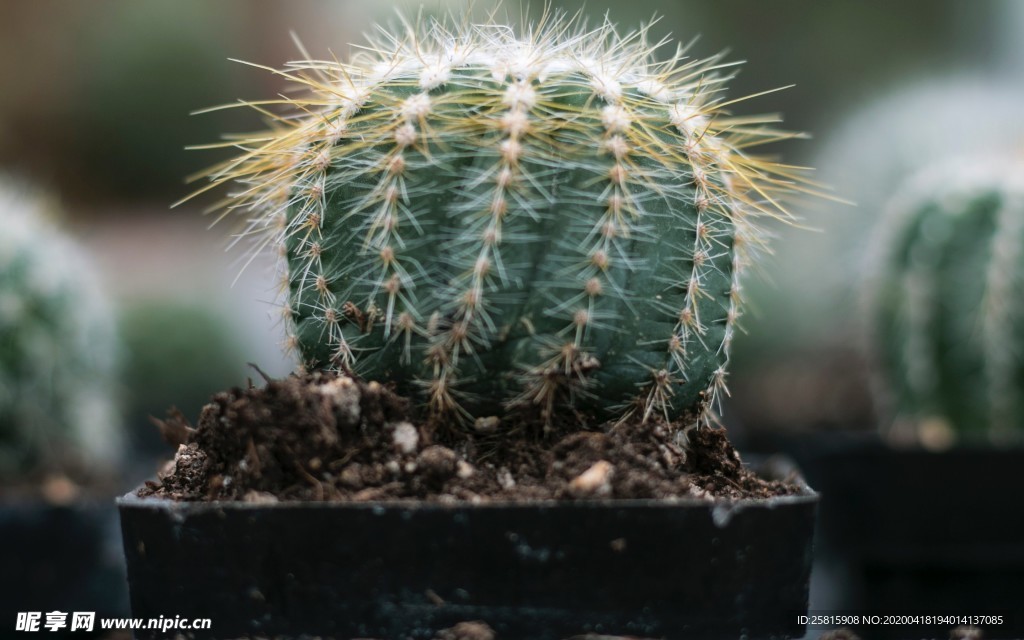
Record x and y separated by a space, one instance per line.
909 531
542 571
60 558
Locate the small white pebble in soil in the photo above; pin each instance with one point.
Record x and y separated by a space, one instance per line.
392 467
487 424
405 438
505 479
351 476
259 497
595 481
344 395
699 493
464 470
410 467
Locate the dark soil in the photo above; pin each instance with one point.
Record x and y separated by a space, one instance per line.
959 633
467 631
323 436
839 634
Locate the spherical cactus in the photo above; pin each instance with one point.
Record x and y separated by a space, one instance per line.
499 220
947 303
58 347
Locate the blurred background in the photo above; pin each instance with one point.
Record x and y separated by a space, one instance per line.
95 110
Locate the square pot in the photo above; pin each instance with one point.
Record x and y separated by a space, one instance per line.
548 570
60 558
912 531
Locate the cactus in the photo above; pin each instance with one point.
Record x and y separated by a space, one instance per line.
945 299
58 347
500 221
914 119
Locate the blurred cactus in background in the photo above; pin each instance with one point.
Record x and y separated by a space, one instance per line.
808 368
947 300
58 346
176 354
505 221
866 159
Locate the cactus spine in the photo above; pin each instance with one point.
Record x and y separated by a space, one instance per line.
514 221
947 304
58 347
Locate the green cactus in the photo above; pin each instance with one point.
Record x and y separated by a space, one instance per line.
946 303
500 221
58 347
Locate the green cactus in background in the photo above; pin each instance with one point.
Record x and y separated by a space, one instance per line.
58 346
504 221
946 300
